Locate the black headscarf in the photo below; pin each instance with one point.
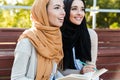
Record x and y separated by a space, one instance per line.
76 36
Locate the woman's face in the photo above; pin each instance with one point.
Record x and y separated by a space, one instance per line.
77 12
56 12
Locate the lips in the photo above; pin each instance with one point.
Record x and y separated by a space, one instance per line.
61 19
78 18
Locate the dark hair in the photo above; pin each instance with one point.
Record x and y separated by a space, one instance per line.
75 36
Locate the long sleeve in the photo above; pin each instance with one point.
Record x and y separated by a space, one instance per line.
20 65
94 46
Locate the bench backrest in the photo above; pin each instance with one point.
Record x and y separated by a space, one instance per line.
8 40
8 37
109 53
108 38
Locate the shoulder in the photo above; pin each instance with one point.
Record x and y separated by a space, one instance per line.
24 41
24 46
92 33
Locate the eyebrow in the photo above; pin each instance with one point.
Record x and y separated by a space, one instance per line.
76 6
57 5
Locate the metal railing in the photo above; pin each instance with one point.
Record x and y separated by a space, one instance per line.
16 7
95 10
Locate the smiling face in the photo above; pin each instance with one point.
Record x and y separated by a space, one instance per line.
56 12
77 12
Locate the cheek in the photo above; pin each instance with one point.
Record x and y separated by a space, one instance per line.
83 14
51 20
51 16
71 17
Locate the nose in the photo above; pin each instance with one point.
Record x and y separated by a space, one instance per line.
81 12
63 12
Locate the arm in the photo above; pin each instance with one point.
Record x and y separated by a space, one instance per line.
22 55
69 71
94 46
94 50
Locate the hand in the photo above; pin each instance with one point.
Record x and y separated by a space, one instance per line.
87 68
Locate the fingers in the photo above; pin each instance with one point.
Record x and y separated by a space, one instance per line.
88 68
101 79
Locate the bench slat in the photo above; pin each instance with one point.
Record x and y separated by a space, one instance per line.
109 52
109 44
111 76
7 46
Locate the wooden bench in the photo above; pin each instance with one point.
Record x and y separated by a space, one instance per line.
8 40
108 52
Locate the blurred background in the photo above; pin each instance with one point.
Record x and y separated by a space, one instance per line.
99 13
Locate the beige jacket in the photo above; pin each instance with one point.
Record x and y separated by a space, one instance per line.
94 46
25 60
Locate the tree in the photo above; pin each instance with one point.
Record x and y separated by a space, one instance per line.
105 20
15 17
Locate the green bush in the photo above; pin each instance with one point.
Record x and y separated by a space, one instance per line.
115 25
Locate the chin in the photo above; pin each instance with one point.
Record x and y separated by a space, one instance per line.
60 25
78 23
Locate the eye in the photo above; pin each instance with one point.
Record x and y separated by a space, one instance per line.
74 8
57 7
83 9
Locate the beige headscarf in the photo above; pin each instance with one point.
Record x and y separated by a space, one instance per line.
46 39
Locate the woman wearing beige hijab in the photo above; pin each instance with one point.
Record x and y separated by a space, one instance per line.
39 49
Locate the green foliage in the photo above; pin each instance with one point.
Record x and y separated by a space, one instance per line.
19 18
104 20
115 25
89 3
24 19
15 18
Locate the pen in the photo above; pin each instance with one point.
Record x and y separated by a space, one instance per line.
87 64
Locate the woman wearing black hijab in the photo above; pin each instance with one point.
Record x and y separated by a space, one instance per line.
79 43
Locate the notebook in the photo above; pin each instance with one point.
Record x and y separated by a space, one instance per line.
86 76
